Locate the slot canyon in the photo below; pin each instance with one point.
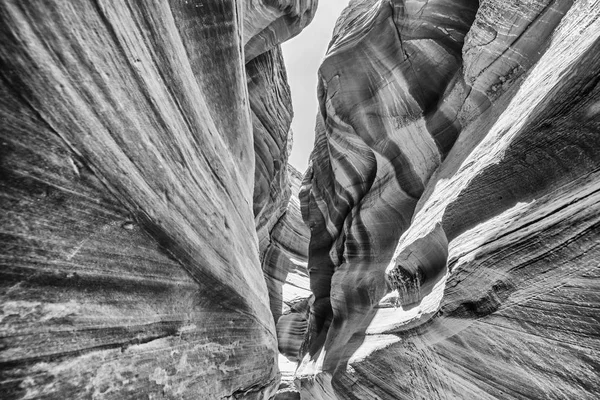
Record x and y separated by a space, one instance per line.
443 243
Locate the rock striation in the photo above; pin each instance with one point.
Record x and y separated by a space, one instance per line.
140 155
442 244
267 23
452 202
285 258
380 135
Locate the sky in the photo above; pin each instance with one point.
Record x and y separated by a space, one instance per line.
303 55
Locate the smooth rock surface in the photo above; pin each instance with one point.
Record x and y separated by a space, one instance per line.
490 290
382 129
129 138
285 258
284 266
268 23
443 243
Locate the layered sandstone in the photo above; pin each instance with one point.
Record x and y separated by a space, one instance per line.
267 23
453 203
130 133
284 265
380 135
153 242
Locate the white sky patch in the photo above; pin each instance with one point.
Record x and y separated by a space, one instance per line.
303 55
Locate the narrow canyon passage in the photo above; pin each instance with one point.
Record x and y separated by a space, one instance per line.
443 242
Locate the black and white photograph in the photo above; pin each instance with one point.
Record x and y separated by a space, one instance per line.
300 199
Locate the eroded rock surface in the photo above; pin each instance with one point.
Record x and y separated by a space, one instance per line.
268 23
152 236
285 257
380 135
129 138
452 200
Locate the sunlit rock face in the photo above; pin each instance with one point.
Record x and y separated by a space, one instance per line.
130 132
453 203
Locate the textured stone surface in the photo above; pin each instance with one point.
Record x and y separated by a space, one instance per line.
285 258
152 235
130 256
380 135
488 290
268 23
284 266
271 108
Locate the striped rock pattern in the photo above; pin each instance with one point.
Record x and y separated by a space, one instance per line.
284 266
285 258
130 256
380 135
267 23
489 290
271 111
282 235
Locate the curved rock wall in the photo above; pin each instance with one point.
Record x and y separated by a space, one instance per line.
487 291
285 257
282 235
152 233
284 265
130 257
271 110
380 135
268 23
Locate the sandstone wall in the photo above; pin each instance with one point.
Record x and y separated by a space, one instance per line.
129 138
453 206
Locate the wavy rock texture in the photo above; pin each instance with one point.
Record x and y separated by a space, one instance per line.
130 256
511 213
380 135
271 110
285 258
282 235
268 23
284 266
